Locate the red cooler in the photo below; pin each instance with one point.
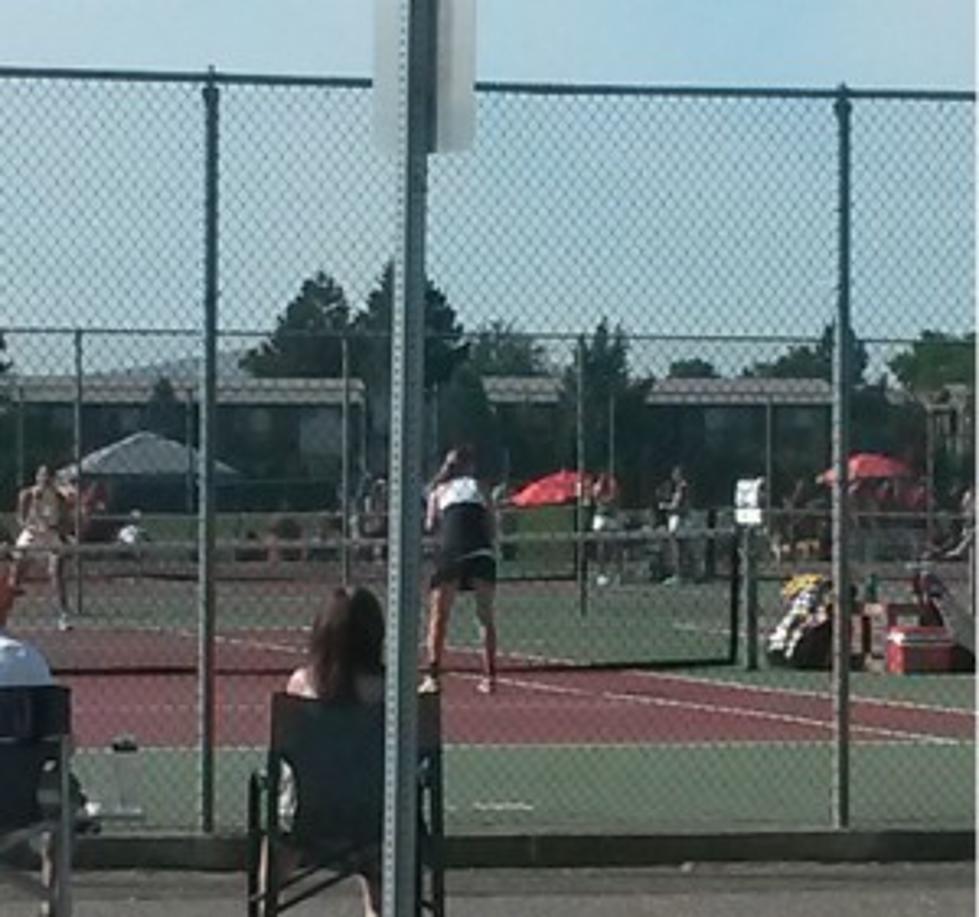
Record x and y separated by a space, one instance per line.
919 649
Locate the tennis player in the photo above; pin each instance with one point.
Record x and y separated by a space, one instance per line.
460 510
42 515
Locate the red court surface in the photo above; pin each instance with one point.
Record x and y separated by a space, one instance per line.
572 707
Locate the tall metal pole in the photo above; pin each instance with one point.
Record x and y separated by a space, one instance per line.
206 491
21 469
929 473
418 19
841 451
580 549
436 433
345 464
79 400
189 443
611 434
769 459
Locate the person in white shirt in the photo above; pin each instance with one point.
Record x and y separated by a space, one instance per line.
22 665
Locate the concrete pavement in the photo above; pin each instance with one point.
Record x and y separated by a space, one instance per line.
692 890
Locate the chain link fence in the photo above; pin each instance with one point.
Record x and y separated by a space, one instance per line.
628 286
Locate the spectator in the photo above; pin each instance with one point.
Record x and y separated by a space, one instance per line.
605 520
345 664
967 536
677 507
21 664
793 522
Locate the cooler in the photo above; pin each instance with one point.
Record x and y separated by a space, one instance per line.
919 649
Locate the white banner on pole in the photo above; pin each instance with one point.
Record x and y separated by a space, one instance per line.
454 72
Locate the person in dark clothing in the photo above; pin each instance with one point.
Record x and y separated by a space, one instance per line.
460 511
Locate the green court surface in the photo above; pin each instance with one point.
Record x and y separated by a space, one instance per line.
615 789
650 778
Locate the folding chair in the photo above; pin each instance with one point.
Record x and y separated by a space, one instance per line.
35 752
335 759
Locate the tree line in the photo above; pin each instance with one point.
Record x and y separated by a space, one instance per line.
521 439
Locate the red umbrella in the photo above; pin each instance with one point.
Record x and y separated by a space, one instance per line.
559 487
869 465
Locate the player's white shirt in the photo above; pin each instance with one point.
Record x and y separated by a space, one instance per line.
43 511
41 522
458 490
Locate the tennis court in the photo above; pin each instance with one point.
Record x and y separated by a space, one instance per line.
626 713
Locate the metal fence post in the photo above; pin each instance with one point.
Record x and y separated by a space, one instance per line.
21 469
611 433
841 450
189 443
749 588
206 490
769 457
416 128
345 464
580 547
78 452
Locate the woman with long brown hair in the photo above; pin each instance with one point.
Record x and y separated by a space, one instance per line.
345 656
345 664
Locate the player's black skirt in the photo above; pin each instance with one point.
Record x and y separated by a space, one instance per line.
464 571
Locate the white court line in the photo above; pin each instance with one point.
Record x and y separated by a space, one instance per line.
504 806
646 700
572 664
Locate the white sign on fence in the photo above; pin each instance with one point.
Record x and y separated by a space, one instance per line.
749 501
453 71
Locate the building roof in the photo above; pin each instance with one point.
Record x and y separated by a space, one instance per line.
133 389
706 392
740 391
522 389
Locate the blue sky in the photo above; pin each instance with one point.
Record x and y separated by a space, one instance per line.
920 43
566 209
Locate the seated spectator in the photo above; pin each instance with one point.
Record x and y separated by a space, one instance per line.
22 665
344 665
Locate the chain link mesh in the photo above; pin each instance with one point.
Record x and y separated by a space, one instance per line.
620 283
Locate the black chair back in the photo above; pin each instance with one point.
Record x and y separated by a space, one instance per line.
32 721
336 755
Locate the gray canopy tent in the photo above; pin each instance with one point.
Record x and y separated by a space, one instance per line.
145 471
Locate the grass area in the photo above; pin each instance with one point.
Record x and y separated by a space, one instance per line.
635 788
